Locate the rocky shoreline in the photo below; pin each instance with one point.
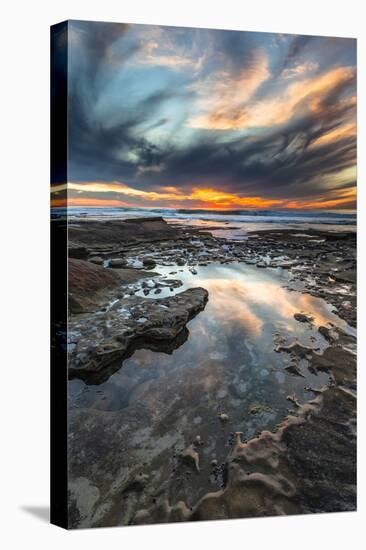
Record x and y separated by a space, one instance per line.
306 465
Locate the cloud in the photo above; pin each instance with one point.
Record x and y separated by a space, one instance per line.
345 131
296 47
99 194
245 116
223 94
238 112
154 55
300 70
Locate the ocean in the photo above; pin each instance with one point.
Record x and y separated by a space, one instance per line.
233 223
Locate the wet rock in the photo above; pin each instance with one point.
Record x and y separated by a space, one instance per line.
307 466
149 323
293 400
294 368
141 517
190 457
117 262
96 260
258 409
172 283
149 263
197 441
329 334
223 417
302 318
179 512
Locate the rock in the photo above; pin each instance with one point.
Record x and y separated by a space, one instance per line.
238 441
113 233
90 285
190 457
86 283
293 368
117 262
308 465
149 263
197 440
96 260
223 417
330 335
179 512
164 320
257 409
77 252
173 283
302 318
293 400
141 517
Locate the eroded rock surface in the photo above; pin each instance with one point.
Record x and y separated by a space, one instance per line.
108 337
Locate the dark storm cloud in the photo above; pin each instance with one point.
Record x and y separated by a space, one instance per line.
97 38
296 47
279 160
96 148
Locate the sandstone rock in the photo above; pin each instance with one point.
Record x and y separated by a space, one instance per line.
86 281
90 285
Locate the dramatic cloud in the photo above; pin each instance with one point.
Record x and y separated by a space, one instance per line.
196 118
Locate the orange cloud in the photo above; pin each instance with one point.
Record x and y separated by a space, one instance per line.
120 188
346 199
198 197
201 197
348 130
306 94
221 95
300 70
76 201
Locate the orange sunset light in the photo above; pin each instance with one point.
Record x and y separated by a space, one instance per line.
208 198
199 197
76 201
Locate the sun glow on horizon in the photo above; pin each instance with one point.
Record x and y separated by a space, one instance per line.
207 198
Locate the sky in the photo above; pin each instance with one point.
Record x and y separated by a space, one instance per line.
169 117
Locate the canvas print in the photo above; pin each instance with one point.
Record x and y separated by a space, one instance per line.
204 232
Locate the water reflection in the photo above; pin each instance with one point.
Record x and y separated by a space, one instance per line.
228 362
